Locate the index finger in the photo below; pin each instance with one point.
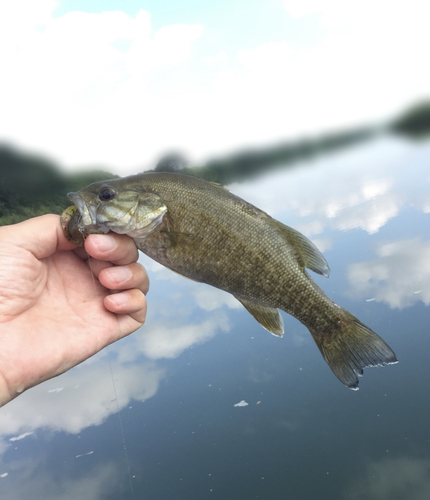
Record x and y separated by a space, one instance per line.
119 249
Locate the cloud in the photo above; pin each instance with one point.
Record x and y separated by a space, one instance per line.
323 244
107 89
209 299
353 200
266 57
218 59
89 73
312 86
399 277
17 17
26 480
304 7
393 478
368 213
168 341
21 436
359 195
422 201
87 398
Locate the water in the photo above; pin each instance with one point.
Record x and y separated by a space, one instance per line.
302 435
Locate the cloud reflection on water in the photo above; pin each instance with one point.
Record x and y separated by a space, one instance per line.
87 398
399 277
365 189
33 479
161 340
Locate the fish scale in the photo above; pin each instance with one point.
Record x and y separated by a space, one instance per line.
203 232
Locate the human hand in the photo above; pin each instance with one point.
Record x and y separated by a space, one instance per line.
56 307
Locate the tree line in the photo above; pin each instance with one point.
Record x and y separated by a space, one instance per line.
31 185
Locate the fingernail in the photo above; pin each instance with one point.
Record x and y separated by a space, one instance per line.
119 298
103 242
118 274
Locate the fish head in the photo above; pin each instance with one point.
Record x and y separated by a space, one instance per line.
120 206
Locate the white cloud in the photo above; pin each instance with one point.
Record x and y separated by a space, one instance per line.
79 86
21 436
368 214
216 60
304 7
270 57
355 197
88 398
17 17
399 277
322 244
164 341
209 299
422 201
27 480
105 88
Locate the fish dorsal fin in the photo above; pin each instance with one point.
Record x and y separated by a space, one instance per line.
268 317
217 184
311 257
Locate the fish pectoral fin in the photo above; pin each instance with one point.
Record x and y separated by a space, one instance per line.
311 257
268 317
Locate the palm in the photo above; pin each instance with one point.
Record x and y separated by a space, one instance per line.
53 310
57 309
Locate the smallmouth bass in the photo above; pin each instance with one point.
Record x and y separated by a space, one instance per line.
203 232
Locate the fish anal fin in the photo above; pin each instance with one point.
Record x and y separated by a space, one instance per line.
268 317
309 254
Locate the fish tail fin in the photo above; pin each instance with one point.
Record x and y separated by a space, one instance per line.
351 346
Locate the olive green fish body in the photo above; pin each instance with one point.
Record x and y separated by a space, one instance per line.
204 232
230 244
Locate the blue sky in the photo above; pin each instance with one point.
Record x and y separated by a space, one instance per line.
119 83
233 24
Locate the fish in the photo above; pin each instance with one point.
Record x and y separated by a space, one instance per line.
202 231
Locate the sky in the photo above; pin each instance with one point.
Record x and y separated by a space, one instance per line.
119 83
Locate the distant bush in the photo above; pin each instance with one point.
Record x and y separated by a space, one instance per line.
31 185
415 121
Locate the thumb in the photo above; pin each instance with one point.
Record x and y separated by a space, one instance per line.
42 236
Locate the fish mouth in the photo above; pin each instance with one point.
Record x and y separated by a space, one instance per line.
88 212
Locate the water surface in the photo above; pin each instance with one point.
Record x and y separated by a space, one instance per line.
156 415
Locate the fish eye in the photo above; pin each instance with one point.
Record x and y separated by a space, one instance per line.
107 194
